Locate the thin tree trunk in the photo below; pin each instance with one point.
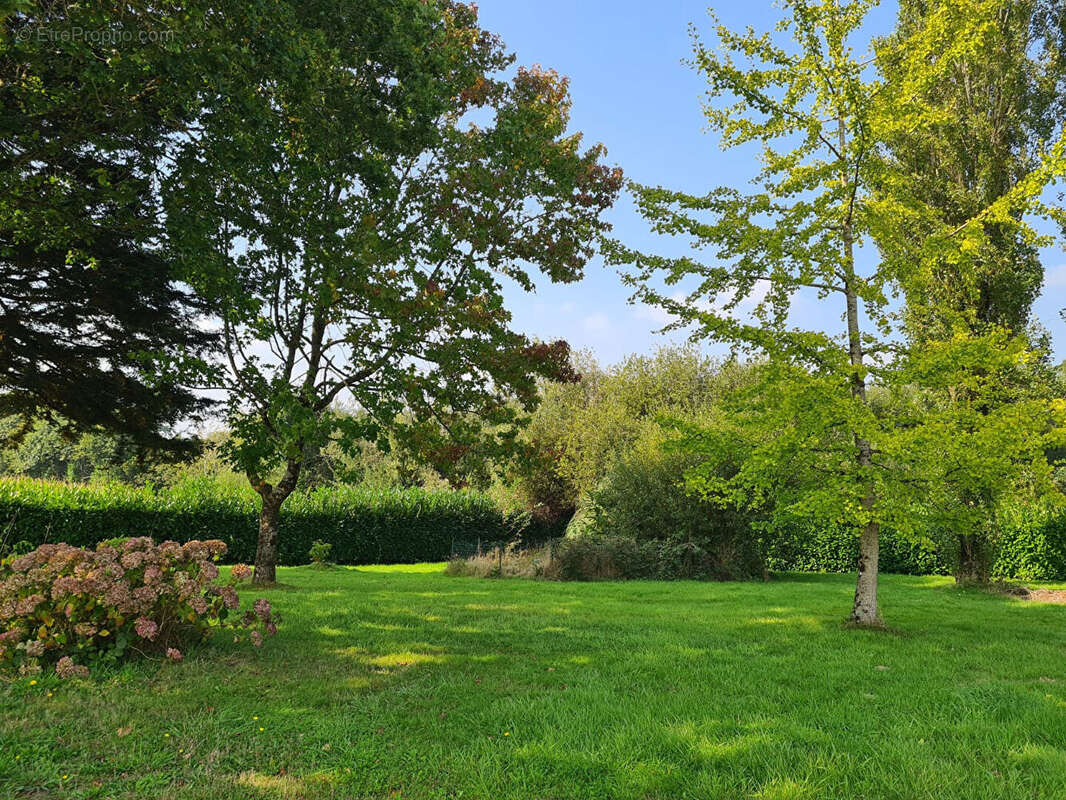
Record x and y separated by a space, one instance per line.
864 609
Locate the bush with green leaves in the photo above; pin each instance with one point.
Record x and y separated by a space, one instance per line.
364 526
644 501
1032 543
581 430
802 546
68 608
320 553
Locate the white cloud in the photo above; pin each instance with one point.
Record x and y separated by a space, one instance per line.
1055 277
742 311
655 314
597 323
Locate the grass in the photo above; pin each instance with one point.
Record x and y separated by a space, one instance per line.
400 682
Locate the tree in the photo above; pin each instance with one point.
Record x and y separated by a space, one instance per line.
581 430
1001 102
823 119
378 180
95 329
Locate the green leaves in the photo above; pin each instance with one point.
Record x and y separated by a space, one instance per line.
848 428
349 226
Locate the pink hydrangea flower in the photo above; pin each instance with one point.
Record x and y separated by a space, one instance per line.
229 597
27 604
262 608
257 638
174 654
66 668
146 628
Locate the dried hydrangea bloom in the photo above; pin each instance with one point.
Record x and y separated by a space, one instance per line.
66 668
262 609
27 605
229 597
241 572
146 628
164 593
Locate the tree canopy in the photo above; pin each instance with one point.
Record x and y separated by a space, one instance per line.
94 326
349 214
835 222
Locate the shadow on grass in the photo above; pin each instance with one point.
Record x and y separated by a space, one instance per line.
418 685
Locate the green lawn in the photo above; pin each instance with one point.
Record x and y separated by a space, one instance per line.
400 682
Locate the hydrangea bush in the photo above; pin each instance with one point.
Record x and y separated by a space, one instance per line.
72 607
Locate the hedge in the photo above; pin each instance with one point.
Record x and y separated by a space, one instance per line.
1031 546
803 548
363 525
368 526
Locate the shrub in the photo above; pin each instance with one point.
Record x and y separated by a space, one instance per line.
70 606
364 526
597 557
512 561
320 553
644 511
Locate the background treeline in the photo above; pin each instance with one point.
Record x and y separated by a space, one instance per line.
599 461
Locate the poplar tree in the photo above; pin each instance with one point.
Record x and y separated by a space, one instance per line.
997 108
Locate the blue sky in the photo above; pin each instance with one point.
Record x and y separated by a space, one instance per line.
631 92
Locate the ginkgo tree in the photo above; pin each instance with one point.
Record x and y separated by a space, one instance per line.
830 224
350 211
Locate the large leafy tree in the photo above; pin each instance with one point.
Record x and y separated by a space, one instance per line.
828 223
1000 103
380 178
94 327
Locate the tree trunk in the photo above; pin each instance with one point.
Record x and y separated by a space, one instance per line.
864 610
972 565
266 551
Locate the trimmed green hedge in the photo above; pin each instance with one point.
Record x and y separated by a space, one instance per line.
368 526
1031 546
803 548
364 526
